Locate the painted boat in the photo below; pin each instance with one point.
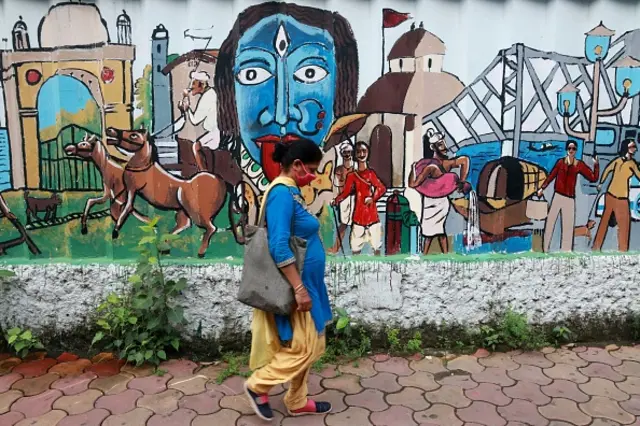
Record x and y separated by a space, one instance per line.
504 187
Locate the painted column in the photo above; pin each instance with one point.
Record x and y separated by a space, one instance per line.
162 110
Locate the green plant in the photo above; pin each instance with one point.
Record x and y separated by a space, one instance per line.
414 345
143 323
22 341
490 337
343 324
517 333
512 330
561 334
235 362
393 338
347 339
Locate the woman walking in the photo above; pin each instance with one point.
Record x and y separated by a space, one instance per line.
283 348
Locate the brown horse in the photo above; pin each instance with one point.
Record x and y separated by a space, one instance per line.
198 199
90 148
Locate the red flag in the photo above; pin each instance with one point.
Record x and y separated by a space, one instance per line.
391 18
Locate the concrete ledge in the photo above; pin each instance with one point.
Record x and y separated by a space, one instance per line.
62 297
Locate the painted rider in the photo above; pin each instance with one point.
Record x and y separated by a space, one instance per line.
345 207
206 113
616 200
435 210
364 183
565 172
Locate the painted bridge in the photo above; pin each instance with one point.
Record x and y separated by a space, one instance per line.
515 97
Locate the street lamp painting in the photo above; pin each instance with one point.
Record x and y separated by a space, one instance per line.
597 43
596 47
627 76
567 99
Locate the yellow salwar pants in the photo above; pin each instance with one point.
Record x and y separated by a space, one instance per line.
275 364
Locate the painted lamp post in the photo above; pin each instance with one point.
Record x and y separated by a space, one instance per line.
597 43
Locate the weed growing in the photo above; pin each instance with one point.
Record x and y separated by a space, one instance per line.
144 322
236 365
22 342
512 330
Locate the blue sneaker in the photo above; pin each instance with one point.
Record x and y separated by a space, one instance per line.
259 403
311 408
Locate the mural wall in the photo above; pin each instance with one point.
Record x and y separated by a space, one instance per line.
440 135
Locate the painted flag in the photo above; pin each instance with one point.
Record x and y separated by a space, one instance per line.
391 18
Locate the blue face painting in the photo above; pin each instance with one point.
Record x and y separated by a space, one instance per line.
285 79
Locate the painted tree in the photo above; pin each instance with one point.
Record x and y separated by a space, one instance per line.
144 99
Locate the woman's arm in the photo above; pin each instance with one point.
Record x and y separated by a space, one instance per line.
608 170
634 168
280 215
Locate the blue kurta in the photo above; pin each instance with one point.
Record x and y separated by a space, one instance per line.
283 203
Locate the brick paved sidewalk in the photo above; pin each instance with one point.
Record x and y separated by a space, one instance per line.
583 386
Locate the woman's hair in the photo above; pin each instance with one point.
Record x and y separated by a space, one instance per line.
569 143
346 47
304 150
624 149
362 144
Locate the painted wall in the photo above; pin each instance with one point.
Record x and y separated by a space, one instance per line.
465 134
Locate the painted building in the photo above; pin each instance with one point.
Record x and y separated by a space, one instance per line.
162 113
81 58
415 86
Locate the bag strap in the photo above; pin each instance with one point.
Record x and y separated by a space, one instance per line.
262 221
262 218
293 211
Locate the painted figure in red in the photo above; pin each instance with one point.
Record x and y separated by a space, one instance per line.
367 188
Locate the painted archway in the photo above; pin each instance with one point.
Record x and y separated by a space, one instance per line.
67 109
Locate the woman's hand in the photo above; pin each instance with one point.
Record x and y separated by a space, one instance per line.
303 300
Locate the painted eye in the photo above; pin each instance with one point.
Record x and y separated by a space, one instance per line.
254 75
310 74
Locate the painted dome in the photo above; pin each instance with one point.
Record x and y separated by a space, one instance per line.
410 93
72 24
415 43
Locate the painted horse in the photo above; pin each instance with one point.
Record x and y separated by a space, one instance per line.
198 199
90 148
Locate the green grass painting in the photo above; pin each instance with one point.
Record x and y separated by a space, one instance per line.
65 241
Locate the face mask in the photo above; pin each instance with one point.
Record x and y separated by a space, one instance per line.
304 178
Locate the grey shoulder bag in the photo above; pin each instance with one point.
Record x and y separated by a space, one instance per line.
263 286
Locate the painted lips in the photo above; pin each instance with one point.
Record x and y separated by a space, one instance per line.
267 145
